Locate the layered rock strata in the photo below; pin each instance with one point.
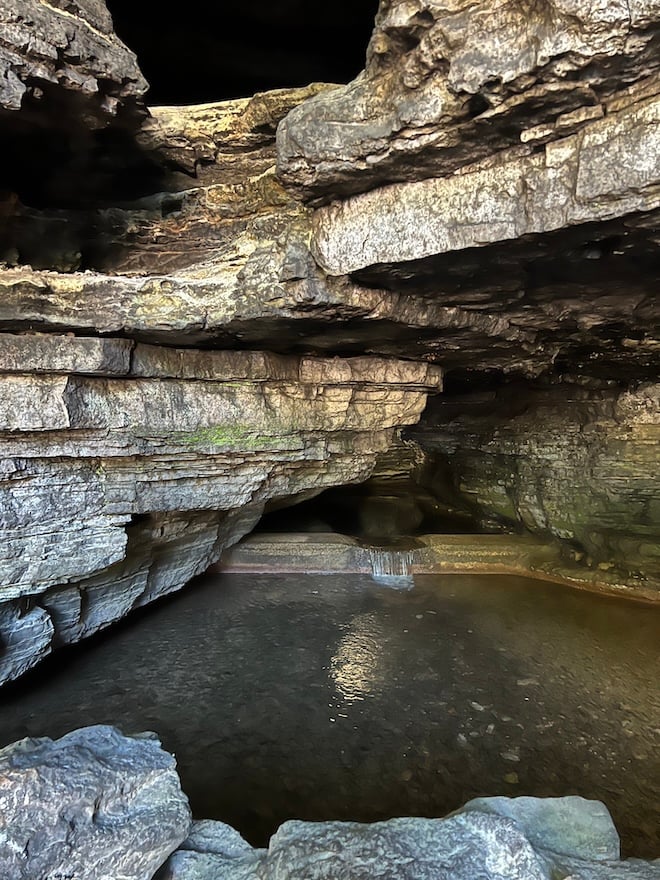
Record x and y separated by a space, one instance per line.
499 213
128 468
573 463
447 86
609 168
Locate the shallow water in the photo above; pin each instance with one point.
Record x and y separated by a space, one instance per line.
329 696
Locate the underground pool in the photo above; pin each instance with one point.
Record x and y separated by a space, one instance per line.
333 696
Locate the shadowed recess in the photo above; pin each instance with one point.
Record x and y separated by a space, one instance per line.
229 50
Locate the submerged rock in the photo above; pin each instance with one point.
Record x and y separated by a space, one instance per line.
94 804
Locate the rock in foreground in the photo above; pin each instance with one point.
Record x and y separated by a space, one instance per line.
490 838
94 804
97 805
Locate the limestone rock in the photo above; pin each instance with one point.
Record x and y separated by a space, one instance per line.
68 46
213 851
572 825
572 462
610 168
224 143
25 637
92 804
126 477
490 838
447 86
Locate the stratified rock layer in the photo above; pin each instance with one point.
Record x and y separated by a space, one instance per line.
610 168
92 804
128 468
447 86
570 462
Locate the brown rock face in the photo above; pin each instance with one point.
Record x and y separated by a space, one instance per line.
449 85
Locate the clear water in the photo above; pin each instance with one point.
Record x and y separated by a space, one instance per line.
334 697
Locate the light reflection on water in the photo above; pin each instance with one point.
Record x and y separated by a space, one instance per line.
356 666
333 697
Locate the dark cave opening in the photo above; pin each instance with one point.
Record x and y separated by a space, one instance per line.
62 166
234 49
382 510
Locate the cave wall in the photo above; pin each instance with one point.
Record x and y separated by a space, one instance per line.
576 464
207 308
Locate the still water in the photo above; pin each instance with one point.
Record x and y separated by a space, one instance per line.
329 696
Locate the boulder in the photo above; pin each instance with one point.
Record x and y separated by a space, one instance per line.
93 804
494 838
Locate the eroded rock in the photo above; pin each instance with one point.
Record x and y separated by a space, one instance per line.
609 169
93 804
567 461
69 46
119 488
491 838
448 86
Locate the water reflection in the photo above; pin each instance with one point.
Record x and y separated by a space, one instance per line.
356 668
331 697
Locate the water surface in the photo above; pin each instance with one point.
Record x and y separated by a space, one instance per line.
323 697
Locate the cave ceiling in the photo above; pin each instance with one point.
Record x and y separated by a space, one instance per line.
187 197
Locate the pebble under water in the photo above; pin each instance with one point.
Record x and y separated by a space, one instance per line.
322 697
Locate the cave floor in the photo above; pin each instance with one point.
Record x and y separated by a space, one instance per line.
331 696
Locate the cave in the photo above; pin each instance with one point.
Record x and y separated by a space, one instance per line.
330 422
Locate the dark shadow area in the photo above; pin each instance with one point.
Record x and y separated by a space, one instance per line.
331 697
214 51
63 167
376 510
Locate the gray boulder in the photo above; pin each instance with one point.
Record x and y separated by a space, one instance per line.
488 839
214 851
94 804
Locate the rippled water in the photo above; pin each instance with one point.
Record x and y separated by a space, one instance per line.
334 697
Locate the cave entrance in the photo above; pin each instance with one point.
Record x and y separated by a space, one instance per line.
230 50
379 511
